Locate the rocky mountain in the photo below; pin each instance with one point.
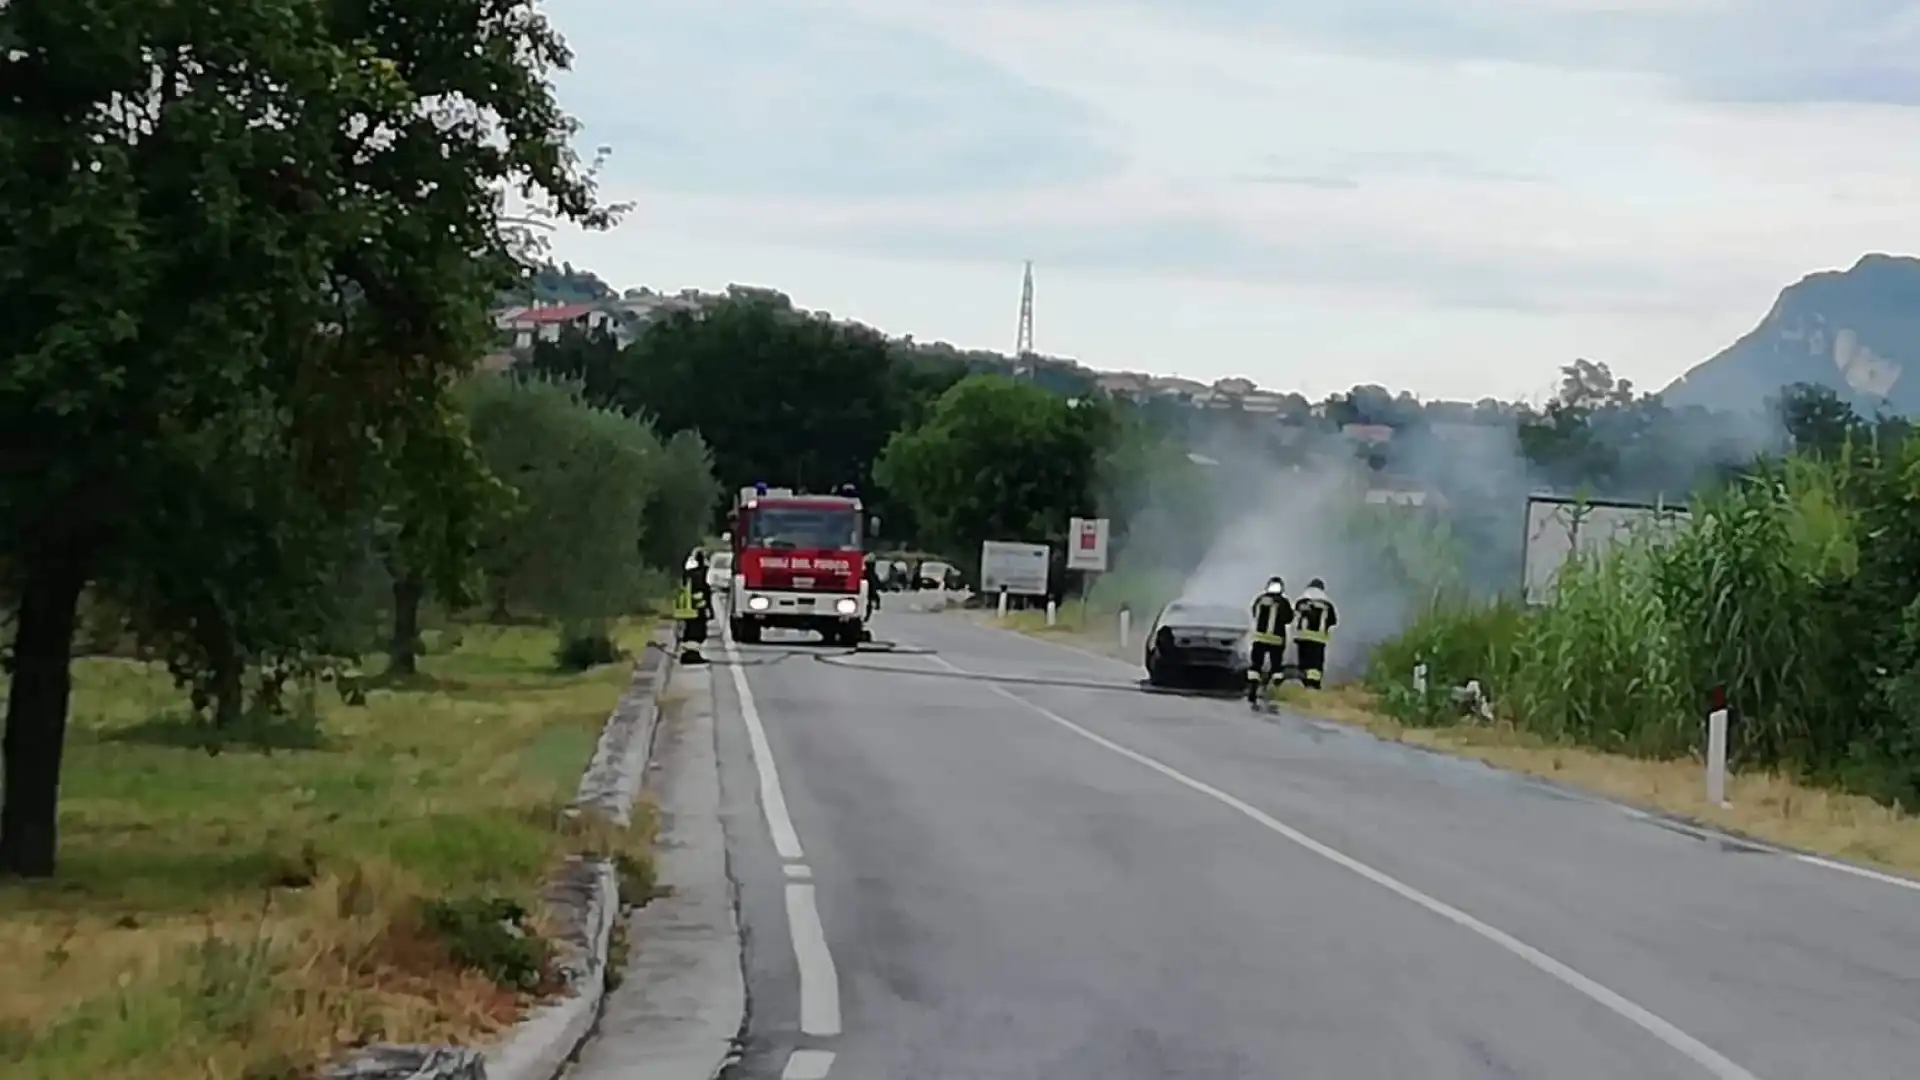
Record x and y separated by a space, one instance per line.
1856 331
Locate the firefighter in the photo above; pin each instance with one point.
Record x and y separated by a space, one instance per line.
693 607
1314 618
1272 614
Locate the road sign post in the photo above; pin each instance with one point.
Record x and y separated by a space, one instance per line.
1087 553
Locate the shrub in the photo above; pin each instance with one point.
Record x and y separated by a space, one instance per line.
584 647
493 936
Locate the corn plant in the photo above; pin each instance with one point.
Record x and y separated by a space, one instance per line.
1598 665
1796 588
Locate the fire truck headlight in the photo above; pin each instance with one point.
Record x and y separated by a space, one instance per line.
757 603
847 605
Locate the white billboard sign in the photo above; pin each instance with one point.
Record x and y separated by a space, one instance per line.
1557 527
1021 569
1087 544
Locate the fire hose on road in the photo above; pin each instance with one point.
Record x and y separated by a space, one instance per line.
848 658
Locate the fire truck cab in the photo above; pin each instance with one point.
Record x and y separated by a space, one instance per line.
799 563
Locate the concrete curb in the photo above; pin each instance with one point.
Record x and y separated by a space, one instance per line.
679 1012
585 898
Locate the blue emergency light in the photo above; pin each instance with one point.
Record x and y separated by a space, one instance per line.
760 487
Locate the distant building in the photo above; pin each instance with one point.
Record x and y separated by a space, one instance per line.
1372 434
1173 386
526 325
1125 384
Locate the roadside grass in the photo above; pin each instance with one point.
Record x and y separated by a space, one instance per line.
247 914
1765 806
1070 621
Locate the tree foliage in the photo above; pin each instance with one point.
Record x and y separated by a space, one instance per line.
998 458
265 226
596 497
779 395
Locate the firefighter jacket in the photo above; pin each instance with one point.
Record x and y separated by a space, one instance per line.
694 600
1314 617
1271 615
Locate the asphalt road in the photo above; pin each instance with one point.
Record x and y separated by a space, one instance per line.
1035 882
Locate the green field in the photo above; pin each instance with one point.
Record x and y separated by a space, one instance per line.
245 914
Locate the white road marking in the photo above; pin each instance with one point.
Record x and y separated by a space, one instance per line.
799 871
1859 871
1700 1053
1630 811
772 801
808 1065
819 981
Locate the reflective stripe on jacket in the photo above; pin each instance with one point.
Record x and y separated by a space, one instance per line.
1314 619
1271 614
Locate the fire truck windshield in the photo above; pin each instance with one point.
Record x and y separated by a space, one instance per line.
804 527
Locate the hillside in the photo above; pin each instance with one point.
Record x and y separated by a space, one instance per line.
1854 331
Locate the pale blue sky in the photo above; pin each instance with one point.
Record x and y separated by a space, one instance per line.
1447 196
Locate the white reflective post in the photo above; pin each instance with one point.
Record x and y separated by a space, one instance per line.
1126 618
1053 612
1717 757
1003 602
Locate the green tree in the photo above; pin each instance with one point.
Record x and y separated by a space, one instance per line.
591 358
276 218
998 459
685 497
582 479
792 398
1817 420
1157 499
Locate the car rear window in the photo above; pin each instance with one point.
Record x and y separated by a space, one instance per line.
1204 615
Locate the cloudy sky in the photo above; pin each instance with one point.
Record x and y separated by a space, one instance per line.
1447 196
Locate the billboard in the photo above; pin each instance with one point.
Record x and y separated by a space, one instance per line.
1558 526
1021 569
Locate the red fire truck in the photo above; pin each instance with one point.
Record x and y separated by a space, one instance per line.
799 562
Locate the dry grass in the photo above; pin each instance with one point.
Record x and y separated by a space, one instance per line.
1096 631
1766 806
246 915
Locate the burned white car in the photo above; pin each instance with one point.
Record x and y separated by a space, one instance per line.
1194 642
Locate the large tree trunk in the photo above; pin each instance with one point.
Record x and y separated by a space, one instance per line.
37 714
403 652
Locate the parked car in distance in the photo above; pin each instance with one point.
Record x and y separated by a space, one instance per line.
1196 641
